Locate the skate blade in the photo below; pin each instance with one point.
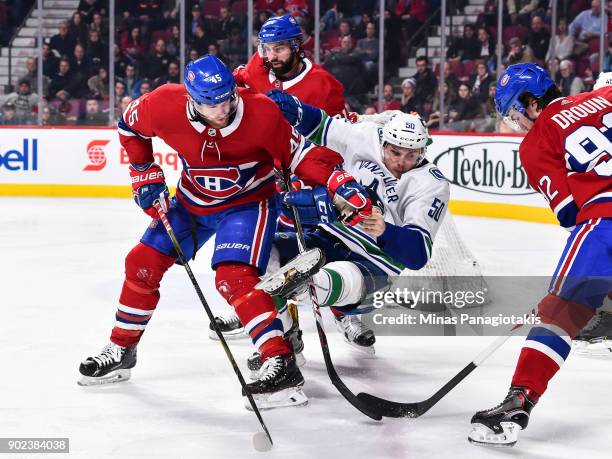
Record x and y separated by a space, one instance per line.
111 378
304 263
370 351
300 361
235 334
596 348
481 435
292 396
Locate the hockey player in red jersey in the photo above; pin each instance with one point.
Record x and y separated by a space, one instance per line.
567 154
280 64
228 140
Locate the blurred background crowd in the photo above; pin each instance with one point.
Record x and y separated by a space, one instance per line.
75 52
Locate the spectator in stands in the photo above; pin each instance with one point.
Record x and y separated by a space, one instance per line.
98 84
297 7
172 75
344 29
196 19
202 39
564 43
587 25
425 81
62 81
488 123
97 24
233 48
389 101
24 101
450 97
9 115
538 38
467 47
143 88
269 5
50 61
347 67
518 53
87 8
51 117
367 48
308 41
213 49
81 69
407 103
487 46
132 82
93 115
156 62
479 82
31 73
450 77
132 44
193 54
329 20
224 23
567 81
77 28
464 110
528 9
173 46
393 34
412 13
120 61
63 42
370 110
120 93
607 63
96 49
124 103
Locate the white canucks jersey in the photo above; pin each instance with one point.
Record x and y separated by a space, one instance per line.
418 199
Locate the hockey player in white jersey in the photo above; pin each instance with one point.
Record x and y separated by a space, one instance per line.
409 196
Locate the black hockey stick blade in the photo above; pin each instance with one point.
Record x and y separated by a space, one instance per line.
393 409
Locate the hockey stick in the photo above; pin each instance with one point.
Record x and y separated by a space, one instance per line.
363 406
161 211
392 409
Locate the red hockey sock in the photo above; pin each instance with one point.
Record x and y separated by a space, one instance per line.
255 308
144 269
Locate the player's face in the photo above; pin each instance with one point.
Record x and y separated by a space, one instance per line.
523 121
218 115
400 160
280 56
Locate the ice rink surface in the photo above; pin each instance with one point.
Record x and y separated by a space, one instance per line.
60 277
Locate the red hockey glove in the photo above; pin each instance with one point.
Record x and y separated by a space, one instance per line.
148 183
350 199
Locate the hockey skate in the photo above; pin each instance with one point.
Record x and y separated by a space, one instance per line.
595 339
356 333
112 365
291 279
279 385
294 335
230 327
500 426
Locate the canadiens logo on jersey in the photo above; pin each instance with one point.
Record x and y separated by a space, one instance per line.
221 182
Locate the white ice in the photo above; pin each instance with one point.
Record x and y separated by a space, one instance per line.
61 271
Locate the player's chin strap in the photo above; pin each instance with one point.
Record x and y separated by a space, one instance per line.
162 209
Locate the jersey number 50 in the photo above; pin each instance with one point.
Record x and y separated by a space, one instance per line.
589 148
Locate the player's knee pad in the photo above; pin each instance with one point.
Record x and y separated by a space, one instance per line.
144 269
234 280
570 316
339 283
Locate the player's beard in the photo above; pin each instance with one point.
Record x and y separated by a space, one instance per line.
285 67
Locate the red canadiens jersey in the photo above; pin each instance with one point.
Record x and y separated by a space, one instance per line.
567 155
224 167
314 86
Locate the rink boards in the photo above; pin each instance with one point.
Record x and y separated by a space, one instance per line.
484 170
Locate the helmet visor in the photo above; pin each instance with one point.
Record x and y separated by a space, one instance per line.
517 120
217 114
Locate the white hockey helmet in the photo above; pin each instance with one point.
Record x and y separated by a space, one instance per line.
406 130
604 79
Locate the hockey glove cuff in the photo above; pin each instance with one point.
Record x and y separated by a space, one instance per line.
350 199
148 183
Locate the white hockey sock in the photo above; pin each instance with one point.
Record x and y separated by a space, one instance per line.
339 283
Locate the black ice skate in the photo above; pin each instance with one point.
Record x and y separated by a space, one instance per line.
500 426
356 333
112 365
596 337
279 385
292 278
294 335
230 327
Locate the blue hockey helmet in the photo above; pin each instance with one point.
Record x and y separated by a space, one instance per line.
516 81
209 81
281 28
